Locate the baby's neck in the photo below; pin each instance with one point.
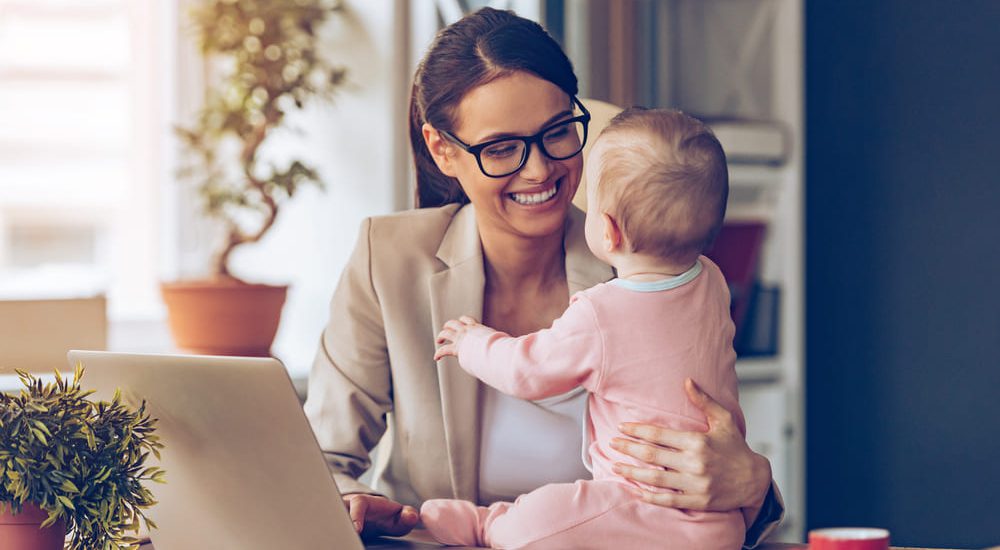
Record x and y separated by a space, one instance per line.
640 267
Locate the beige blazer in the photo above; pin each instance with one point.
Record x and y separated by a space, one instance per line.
409 273
374 372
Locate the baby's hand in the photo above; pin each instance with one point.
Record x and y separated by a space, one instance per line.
451 336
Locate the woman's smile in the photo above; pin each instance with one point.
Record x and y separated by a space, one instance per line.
536 197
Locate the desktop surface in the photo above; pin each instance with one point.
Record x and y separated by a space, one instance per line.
420 539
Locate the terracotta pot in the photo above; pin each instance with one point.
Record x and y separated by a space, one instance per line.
224 316
22 531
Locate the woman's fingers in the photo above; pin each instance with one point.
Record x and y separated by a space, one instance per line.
374 515
654 455
707 471
666 479
683 491
715 412
658 435
357 507
398 523
465 319
676 500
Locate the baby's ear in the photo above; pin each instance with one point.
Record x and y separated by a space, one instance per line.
612 233
439 149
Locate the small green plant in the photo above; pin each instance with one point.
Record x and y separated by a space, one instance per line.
82 461
268 56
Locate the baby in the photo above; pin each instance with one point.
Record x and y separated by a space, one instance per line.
656 198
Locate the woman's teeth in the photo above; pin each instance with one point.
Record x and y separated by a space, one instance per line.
534 198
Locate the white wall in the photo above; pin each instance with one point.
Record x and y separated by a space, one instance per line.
354 143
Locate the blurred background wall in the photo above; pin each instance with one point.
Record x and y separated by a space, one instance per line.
902 260
899 194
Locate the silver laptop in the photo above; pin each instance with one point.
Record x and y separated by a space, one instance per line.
243 469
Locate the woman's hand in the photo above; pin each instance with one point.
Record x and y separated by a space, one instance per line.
451 336
374 516
713 471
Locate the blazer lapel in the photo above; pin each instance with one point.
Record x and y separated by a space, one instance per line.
455 291
458 290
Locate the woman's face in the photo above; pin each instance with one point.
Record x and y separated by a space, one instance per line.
534 201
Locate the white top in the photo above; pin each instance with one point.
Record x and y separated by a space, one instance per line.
527 444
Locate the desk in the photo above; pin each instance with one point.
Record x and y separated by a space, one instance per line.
420 540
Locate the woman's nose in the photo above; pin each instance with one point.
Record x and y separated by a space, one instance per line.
538 166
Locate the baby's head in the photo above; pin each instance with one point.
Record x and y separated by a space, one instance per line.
657 184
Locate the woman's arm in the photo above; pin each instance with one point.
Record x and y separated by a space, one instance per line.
349 384
350 393
711 471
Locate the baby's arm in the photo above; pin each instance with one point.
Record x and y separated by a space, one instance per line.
538 365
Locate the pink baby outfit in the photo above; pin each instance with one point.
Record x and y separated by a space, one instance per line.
631 345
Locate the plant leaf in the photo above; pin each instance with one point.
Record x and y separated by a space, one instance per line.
69 486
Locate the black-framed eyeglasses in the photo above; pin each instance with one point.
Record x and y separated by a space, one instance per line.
502 157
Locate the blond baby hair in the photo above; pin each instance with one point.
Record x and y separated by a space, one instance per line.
665 182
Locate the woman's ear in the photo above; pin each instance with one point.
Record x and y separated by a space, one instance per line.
439 149
613 238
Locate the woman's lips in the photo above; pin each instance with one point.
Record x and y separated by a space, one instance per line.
536 197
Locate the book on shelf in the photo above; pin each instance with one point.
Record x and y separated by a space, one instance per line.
748 141
736 251
760 328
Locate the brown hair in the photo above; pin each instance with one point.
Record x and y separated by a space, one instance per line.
475 50
667 189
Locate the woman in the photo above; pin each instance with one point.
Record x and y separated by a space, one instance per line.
496 238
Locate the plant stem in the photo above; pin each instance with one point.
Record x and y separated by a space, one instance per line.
248 157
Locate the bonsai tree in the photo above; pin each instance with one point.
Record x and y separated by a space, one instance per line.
82 462
269 64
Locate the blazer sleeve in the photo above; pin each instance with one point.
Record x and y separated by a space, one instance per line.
542 364
768 519
350 386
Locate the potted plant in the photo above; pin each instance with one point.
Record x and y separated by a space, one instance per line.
69 464
269 62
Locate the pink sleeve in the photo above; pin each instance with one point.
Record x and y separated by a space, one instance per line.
542 364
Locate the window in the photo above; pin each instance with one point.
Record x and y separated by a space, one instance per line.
84 90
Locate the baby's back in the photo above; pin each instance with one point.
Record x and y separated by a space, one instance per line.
653 340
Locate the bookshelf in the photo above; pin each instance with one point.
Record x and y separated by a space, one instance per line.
741 62
761 78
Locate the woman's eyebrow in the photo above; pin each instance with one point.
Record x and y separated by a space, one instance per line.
552 119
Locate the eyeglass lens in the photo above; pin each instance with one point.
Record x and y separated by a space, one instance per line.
558 142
